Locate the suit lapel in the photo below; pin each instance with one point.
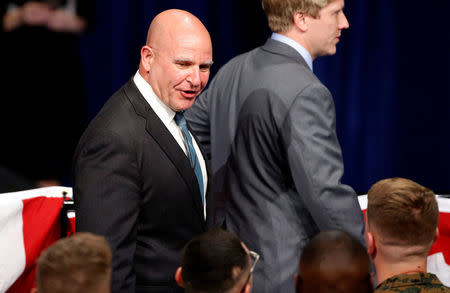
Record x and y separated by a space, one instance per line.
156 128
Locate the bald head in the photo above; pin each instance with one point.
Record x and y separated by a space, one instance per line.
333 261
176 58
172 23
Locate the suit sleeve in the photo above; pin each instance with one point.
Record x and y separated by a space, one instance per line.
107 199
315 160
198 119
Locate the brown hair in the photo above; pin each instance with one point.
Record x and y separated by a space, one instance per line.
403 212
77 264
280 12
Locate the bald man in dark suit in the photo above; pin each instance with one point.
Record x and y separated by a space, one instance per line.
140 178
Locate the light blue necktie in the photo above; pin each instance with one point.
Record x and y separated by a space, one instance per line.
193 159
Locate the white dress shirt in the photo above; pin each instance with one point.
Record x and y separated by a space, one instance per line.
167 117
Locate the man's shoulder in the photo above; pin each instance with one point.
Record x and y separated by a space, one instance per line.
125 101
267 69
412 283
269 55
118 116
235 62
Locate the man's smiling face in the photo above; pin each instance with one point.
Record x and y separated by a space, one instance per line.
180 68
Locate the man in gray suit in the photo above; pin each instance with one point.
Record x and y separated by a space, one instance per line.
269 126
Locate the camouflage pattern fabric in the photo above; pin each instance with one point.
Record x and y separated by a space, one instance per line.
412 283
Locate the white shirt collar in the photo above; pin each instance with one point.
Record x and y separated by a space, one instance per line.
162 110
299 48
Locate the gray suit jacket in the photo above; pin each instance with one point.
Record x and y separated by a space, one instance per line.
269 125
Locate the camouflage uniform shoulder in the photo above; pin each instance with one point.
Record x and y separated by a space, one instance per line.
413 283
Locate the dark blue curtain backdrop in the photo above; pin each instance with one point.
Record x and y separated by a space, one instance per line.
390 78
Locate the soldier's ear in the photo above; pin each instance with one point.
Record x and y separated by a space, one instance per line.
371 244
436 235
179 277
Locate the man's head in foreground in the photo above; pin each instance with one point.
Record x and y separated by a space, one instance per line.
78 264
402 218
333 261
216 262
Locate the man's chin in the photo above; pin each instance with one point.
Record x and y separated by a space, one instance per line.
330 52
183 105
333 49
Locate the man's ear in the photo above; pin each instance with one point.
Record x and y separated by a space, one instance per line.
299 19
370 242
179 277
146 57
33 290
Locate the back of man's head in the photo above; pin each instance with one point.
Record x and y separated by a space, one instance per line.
280 12
215 261
78 264
402 213
334 261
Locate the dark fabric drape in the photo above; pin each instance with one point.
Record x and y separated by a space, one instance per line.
390 78
43 109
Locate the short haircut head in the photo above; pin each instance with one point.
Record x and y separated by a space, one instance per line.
334 261
280 12
402 212
215 261
78 264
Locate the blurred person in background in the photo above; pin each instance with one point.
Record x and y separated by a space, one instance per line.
43 108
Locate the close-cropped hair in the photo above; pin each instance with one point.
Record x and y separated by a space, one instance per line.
77 264
334 261
334 245
214 261
402 212
280 12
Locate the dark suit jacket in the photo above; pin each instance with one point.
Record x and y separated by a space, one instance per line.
269 125
134 184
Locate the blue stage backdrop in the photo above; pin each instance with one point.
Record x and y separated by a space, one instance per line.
390 78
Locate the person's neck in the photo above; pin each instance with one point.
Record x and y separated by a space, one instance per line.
299 38
386 270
